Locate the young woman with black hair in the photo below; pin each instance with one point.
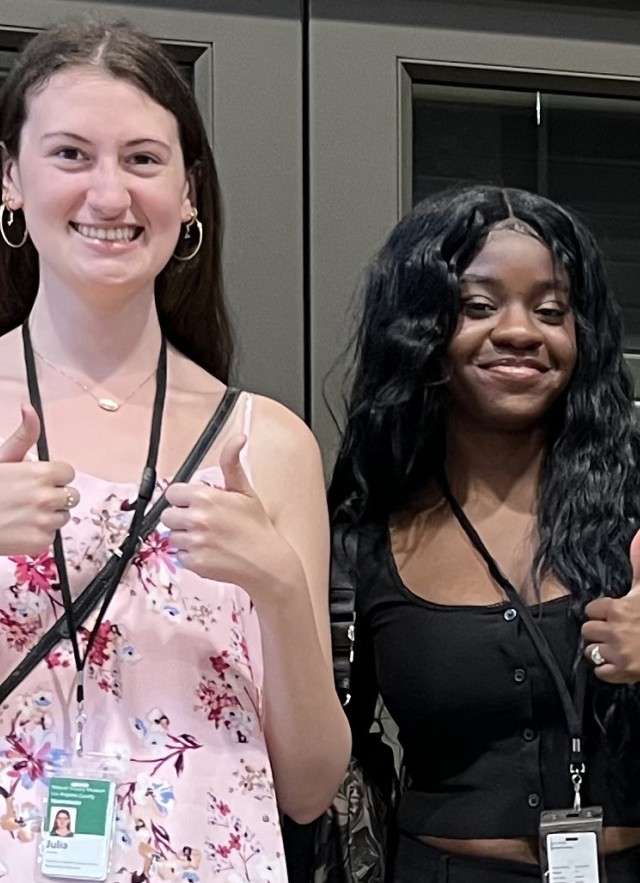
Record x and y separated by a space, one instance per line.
491 468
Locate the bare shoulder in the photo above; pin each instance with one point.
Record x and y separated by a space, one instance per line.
284 454
278 428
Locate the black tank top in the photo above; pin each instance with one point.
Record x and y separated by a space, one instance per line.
482 728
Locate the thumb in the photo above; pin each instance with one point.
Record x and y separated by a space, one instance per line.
235 478
634 557
23 439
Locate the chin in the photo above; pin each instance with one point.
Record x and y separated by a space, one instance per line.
114 287
517 422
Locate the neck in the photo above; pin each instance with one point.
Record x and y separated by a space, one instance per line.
495 467
101 339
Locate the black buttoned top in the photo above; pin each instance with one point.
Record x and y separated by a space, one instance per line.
483 732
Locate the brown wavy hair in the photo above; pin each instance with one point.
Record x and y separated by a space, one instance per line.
189 295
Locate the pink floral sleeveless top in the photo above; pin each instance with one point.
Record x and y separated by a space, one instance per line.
173 683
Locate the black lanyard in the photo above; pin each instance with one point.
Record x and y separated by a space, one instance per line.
131 541
572 700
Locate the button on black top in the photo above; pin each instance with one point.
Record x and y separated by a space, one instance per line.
510 614
533 800
519 675
528 734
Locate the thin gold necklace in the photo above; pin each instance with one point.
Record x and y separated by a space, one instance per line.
104 402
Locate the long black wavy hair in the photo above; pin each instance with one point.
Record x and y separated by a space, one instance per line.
394 440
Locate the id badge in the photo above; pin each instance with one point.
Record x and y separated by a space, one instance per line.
570 846
78 824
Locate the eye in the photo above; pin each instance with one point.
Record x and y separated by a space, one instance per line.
553 314
477 309
70 153
143 159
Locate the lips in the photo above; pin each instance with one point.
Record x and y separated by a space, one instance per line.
510 363
122 233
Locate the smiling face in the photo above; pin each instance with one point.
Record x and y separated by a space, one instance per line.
100 176
514 347
62 821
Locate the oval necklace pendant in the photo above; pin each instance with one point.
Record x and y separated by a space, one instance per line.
108 404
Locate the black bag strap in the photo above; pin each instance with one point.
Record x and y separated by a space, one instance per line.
115 567
342 605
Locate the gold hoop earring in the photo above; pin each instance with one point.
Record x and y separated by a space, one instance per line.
4 208
187 236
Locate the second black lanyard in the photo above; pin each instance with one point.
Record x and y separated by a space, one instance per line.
572 700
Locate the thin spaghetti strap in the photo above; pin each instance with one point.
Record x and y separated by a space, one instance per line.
246 428
246 423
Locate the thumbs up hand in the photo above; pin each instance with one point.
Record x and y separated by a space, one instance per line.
223 533
17 446
35 498
612 632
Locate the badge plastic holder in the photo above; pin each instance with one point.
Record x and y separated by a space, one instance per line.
78 816
570 846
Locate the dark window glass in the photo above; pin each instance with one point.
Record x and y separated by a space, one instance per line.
582 151
7 57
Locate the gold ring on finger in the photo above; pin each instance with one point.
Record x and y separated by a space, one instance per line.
72 499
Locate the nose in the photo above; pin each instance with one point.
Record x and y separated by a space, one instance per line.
108 195
516 328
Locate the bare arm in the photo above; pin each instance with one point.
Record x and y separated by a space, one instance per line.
271 538
307 733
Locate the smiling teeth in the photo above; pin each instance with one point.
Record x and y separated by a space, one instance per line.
125 234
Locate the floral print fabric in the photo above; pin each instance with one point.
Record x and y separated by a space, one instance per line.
173 684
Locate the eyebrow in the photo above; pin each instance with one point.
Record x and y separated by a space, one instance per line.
543 285
133 143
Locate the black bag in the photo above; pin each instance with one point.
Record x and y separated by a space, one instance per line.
355 838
